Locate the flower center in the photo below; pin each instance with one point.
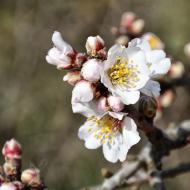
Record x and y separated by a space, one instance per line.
106 127
123 73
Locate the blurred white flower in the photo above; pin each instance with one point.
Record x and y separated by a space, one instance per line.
177 69
115 132
91 70
153 40
127 71
137 26
62 55
7 186
94 44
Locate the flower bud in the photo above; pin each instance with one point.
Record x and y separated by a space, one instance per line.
176 70
122 40
62 54
148 106
10 170
31 177
167 98
83 91
115 103
137 26
91 70
127 19
102 104
153 40
12 149
94 44
72 77
187 50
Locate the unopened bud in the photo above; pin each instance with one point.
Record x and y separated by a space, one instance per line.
115 103
177 69
94 44
72 77
167 98
31 177
137 26
105 173
122 40
83 91
91 70
12 149
127 19
148 106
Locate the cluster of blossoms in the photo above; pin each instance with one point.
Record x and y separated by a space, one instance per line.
133 27
11 176
105 82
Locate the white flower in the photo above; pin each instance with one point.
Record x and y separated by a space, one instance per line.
187 50
91 70
62 55
177 69
94 44
115 132
153 40
127 71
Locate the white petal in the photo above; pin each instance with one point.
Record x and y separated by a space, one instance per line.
86 132
142 44
111 150
128 97
60 43
118 115
152 88
88 109
130 133
159 65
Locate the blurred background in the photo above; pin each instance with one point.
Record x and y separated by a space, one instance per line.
34 102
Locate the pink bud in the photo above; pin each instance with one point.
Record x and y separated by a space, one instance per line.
72 77
91 70
127 19
102 104
31 177
94 44
12 149
115 103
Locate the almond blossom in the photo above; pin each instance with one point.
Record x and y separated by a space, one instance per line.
115 132
128 71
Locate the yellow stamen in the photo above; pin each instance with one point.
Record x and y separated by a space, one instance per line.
123 73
